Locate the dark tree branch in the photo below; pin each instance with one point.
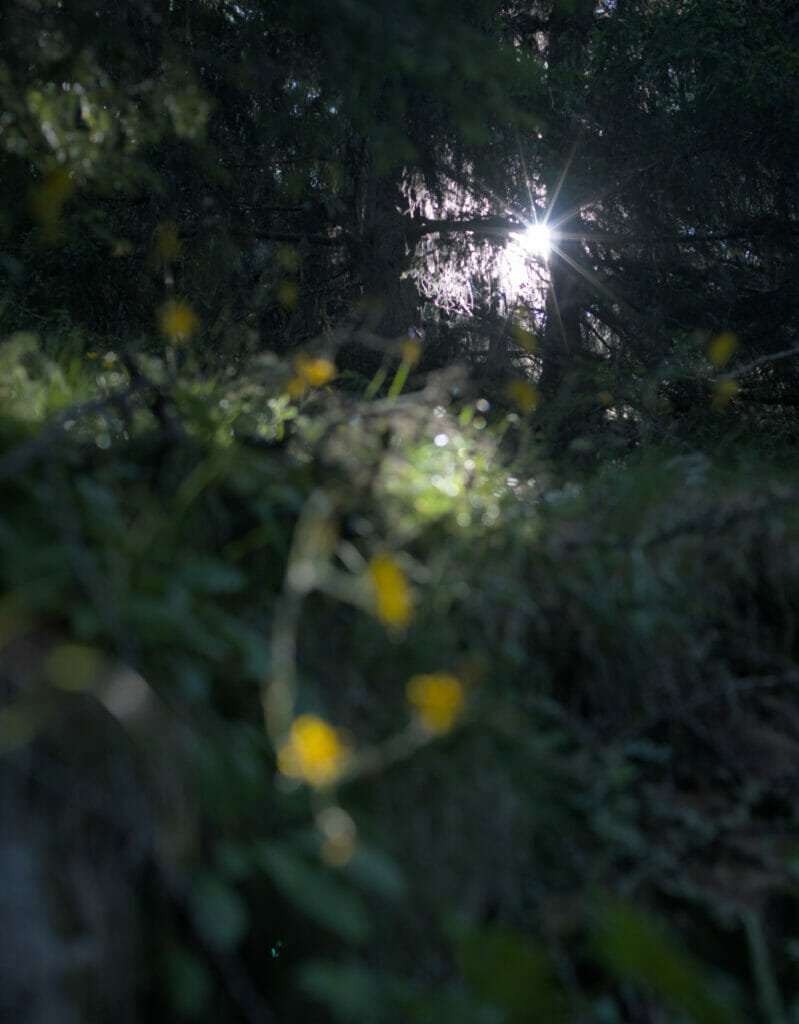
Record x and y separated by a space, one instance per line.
502 227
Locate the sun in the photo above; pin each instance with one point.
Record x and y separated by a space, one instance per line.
537 240
524 261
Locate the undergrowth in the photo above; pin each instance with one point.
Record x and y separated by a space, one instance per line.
334 706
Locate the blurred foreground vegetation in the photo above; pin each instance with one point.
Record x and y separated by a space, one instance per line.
363 656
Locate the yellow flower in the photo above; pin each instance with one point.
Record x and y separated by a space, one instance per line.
721 347
391 590
437 700
315 371
724 389
310 372
314 752
523 394
177 321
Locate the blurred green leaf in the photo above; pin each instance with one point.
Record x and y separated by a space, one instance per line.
218 911
636 947
233 859
209 576
21 722
370 868
435 1007
514 972
349 990
314 890
189 981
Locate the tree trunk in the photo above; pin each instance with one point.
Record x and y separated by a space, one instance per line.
391 302
563 338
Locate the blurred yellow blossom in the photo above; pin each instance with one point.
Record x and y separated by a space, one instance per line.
316 371
314 752
721 347
724 389
437 700
524 394
288 258
287 294
296 387
605 398
310 372
391 590
177 321
166 245
524 339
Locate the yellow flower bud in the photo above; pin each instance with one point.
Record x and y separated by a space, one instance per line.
391 590
314 752
437 700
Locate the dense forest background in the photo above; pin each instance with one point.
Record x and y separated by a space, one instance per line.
399 622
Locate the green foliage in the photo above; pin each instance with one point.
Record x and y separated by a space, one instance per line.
189 983
589 597
219 913
349 990
634 947
317 892
510 971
